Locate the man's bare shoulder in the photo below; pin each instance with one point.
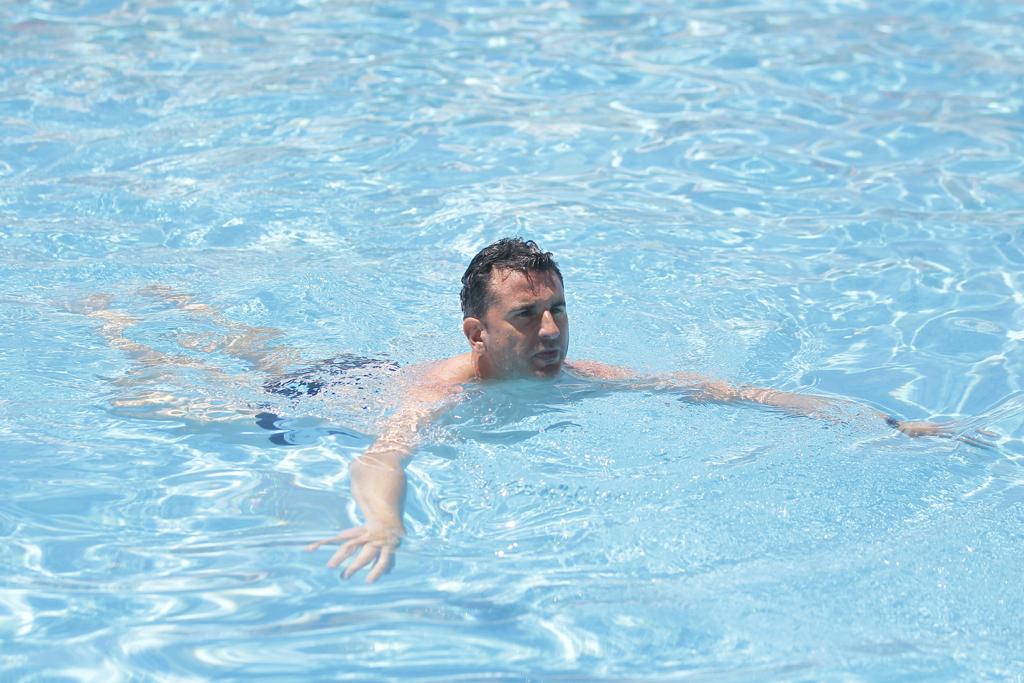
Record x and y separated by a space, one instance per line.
455 370
596 370
441 378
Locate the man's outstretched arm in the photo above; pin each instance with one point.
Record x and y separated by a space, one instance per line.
700 389
378 481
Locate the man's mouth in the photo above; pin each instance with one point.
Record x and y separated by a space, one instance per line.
548 356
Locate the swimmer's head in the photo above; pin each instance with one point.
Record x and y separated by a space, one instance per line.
510 253
514 315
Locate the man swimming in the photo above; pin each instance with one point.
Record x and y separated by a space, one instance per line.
517 326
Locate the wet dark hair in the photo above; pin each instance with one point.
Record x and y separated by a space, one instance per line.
512 253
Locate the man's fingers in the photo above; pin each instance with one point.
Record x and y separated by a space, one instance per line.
317 544
343 536
343 552
979 438
384 563
380 545
972 440
362 559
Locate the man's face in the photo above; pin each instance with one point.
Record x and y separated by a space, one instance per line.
525 331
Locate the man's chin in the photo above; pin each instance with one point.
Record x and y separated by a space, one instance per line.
548 370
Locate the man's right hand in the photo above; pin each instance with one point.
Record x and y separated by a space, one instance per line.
377 477
376 543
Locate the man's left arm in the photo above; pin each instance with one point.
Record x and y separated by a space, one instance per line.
701 389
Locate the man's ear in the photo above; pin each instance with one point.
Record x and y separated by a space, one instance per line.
475 333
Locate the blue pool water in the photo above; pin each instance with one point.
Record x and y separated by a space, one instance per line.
821 197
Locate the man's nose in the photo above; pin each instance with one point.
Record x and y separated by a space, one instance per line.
548 328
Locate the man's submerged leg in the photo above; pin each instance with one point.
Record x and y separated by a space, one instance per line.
241 341
145 386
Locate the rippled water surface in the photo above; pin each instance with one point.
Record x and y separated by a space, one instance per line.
821 197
